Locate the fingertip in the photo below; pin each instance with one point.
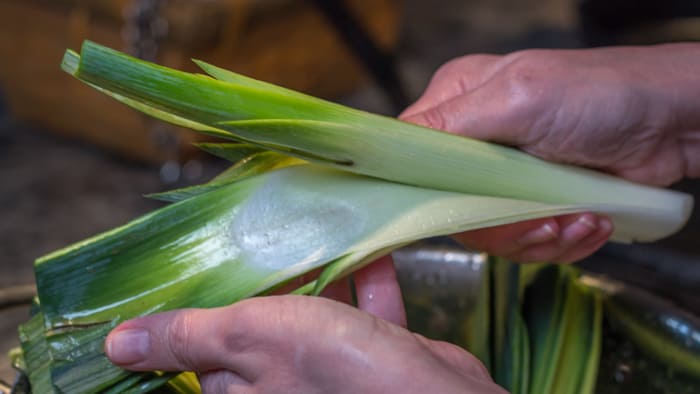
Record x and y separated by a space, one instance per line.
378 291
589 244
606 226
545 232
339 291
433 117
128 346
579 228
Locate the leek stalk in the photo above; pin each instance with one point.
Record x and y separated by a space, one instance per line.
240 108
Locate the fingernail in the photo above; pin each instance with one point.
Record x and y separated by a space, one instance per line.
587 221
605 225
542 234
578 230
128 346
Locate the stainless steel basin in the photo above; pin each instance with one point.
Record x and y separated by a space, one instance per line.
443 283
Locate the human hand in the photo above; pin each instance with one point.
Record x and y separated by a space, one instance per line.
295 344
626 111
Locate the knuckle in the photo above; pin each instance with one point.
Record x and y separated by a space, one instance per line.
248 327
457 67
471 363
449 69
433 118
479 367
178 337
527 81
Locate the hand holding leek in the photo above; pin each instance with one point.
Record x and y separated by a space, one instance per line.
628 111
295 344
612 114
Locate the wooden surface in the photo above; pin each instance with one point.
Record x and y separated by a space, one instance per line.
38 92
284 42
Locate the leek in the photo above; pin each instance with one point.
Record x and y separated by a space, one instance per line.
316 185
547 337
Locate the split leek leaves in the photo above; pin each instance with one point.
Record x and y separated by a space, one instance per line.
564 320
241 108
511 344
234 240
546 329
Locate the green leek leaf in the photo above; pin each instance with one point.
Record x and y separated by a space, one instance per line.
372 145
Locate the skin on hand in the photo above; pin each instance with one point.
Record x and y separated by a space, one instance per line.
376 289
295 344
628 111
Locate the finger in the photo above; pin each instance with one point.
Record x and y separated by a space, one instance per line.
589 244
197 340
509 239
339 291
456 77
575 228
297 282
464 362
536 240
486 114
223 381
244 338
378 291
577 233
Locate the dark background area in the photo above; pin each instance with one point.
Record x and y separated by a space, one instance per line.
56 190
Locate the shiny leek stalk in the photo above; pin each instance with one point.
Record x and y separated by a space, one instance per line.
316 185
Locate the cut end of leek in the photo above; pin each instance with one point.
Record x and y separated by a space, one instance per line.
70 62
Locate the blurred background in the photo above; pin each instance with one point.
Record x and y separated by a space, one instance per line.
74 162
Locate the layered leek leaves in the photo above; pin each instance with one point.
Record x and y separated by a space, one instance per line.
314 185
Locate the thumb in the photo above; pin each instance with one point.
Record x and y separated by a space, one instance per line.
240 338
181 340
484 113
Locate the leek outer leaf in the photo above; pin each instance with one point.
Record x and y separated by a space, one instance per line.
369 144
233 242
250 235
590 374
36 354
511 348
478 328
233 152
255 164
581 334
544 308
565 323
